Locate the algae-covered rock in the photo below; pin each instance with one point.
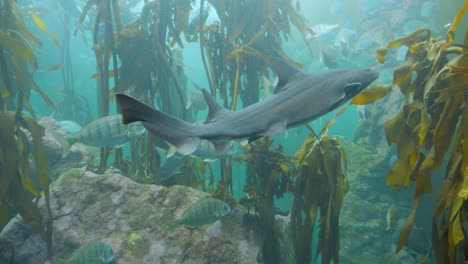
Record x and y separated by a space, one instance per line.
139 222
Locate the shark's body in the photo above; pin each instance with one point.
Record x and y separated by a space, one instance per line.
299 98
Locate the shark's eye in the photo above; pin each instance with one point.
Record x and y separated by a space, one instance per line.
352 89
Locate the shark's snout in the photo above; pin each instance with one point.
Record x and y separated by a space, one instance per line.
358 80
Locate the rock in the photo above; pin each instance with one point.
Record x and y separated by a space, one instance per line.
370 131
53 145
20 244
60 154
79 155
363 234
138 220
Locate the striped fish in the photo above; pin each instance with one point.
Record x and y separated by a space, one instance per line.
108 131
96 252
205 211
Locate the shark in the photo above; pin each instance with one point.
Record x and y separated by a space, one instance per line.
299 98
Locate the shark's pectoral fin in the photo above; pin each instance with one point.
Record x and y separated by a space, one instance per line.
220 144
215 110
185 144
276 128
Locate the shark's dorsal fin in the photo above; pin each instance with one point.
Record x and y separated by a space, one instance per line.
285 72
215 110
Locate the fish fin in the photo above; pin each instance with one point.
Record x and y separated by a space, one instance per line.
220 144
276 128
176 131
171 151
215 110
285 72
119 146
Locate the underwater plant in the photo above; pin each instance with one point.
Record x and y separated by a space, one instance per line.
269 175
21 137
430 131
319 189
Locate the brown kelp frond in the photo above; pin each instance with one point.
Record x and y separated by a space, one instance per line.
247 33
16 185
20 137
269 173
319 190
431 128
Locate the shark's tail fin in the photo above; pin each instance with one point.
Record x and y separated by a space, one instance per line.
179 133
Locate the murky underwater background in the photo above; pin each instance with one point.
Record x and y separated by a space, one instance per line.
78 186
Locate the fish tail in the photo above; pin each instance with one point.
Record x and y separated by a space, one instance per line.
179 133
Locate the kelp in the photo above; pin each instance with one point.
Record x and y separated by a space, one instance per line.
430 128
16 185
108 19
269 175
236 46
73 106
319 189
21 137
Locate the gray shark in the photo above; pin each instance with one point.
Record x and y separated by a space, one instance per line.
298 98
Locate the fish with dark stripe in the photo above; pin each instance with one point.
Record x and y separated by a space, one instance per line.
205 211
108 131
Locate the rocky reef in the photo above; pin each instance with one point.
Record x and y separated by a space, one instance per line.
138 220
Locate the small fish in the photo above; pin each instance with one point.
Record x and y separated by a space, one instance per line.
331 56
96 252
70 127
321 30
108 131
392 218
205 211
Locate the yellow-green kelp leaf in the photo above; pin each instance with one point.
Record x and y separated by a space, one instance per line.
38 21
17 46
371 95
23 166
42 167
27 209
8 161
456 22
